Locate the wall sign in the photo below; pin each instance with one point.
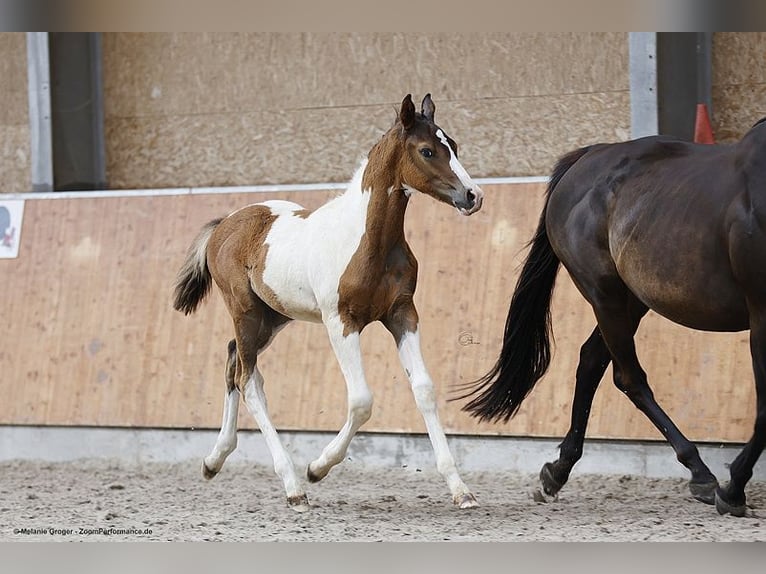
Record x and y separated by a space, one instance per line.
11 215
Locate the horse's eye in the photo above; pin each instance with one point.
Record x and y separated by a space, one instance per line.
426 152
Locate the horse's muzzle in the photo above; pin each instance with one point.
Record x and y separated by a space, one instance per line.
471 202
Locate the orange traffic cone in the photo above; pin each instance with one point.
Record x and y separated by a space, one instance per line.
703 133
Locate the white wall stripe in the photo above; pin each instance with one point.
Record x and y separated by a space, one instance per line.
277 188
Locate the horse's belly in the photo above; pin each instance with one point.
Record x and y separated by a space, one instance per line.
290 299
701 302
702 317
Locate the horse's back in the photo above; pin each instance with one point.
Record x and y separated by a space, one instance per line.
655 214
747 230
238 251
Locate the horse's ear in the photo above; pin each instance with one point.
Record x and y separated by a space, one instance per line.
428 108
407 112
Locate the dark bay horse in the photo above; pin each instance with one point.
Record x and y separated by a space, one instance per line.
346 264
653 223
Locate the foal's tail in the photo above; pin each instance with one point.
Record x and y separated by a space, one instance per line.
194 280
526 354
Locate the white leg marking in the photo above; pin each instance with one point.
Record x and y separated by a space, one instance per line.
349 355
227 437
425 398
255 399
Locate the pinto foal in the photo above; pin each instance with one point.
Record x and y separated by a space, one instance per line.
346 265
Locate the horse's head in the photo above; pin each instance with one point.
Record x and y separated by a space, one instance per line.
429 163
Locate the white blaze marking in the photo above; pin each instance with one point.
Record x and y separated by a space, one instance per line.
454 164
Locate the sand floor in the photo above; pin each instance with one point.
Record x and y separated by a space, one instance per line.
97 500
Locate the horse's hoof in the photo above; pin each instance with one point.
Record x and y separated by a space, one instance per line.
299 503
704 491
207 472
311 476
539 495
724 507
466 500
549 486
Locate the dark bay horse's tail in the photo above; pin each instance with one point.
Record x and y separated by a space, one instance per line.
194 280
526 353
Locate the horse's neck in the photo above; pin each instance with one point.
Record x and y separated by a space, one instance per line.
377 209
384 224
388 199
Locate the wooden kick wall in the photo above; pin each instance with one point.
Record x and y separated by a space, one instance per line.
90 337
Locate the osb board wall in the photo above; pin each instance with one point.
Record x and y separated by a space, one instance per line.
224 109
91 338
237 109
739 83
15 163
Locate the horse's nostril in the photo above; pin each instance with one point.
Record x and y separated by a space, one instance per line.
470 196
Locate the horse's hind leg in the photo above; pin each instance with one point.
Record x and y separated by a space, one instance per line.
731 500
254 332
594 359
255 399
227 437
616 326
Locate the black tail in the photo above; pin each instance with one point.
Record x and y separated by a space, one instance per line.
194 280
526 353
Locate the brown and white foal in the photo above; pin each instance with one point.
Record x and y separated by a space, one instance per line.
346 265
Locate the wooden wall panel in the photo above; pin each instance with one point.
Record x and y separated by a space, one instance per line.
15 163
199 109
498 137
738 83
164 74
94 340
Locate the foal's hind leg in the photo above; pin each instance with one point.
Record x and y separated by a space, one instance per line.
227 437
616 326
254 332
731 500
255 399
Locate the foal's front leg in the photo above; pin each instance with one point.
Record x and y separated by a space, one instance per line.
411 357
349 355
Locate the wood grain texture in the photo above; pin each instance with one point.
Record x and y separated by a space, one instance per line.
234 109
738 83
94 340
520 136
150 74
